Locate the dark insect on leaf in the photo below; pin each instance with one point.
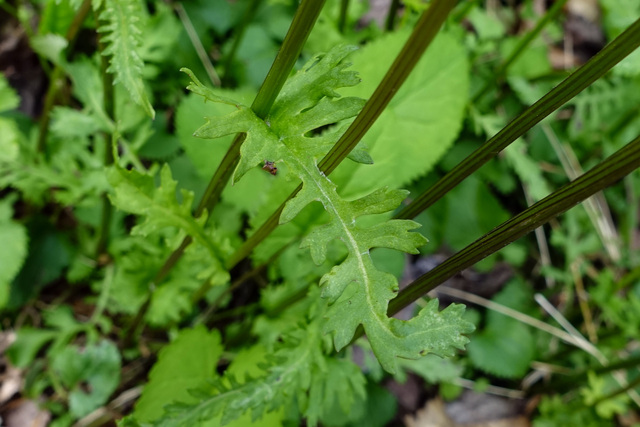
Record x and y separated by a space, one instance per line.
270 167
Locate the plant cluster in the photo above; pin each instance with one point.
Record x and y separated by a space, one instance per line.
149 229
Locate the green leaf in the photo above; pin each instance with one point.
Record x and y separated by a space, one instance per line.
9 99
186 363
174 298
504 351
137 260
50 46
136 193
421 121
358 291
618 15
556 411
56 17
28 343
123 41
70 123
506 347
205 155
432 369
13 251
91 374
599 387
9 141
48 256
297 374
87 87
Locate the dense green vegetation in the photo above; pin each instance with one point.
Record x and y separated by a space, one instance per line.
233 252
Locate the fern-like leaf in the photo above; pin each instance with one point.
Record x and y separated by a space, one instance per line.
136 193
359 293
299 373
122 18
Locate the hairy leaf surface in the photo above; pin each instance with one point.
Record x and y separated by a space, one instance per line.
359 292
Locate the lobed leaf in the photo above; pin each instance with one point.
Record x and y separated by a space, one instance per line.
123 40
136 193
298 374
359 292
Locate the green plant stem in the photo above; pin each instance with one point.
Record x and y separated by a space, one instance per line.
299 31
103 298
569 382
630 386
9 9
422 35
109 108
628 279
459 14
606 173
301 27
235 285
342 19
56 76
613 53
521 47
246 20
392 15
197 44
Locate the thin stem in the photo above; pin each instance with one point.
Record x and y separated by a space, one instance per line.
613 53
570 381
299 31
56 76
9 9
521 47
392 15
197 44
342 19
628 387
235 285
422 35
514 314
596 206
104 295
606 173
239 35
109 109
628 279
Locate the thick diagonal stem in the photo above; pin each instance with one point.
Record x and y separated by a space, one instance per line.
613 53
421 37
606 173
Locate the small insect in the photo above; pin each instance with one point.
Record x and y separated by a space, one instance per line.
270 167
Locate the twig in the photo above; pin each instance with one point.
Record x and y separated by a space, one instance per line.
197 44
596 206
582 300
499 308
587 346
541 240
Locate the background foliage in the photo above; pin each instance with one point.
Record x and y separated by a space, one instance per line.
106 166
